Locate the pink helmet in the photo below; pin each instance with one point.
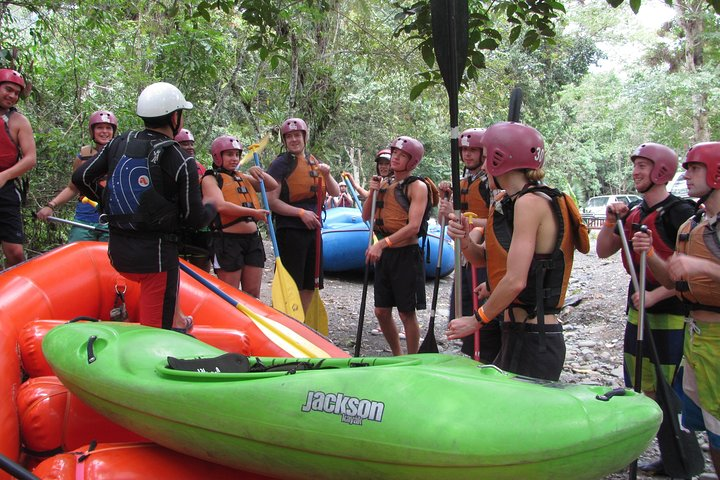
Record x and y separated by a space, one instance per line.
472 137
410 146
707 153
221 144
12 76
664 160
383 154
102 116
513 146
184 135
292 125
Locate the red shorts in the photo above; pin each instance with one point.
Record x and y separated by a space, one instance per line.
158 297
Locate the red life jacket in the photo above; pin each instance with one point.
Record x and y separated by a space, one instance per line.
9 150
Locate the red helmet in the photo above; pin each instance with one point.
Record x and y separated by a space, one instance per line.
221 144
102 116
184 135
707 153
383 154
292 125
513 146
410 146
12 76
472 137
664 160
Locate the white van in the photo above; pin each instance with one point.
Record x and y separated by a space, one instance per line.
595 207
678 187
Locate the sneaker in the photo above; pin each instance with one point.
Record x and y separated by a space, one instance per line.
376 331
654 468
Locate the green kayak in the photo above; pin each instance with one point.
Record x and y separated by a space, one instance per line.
418 416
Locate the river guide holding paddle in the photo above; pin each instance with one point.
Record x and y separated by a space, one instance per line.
401 212
103 127
195 243
694 272
237 251
476 198
17 157
654 165
151 167
302 178
531 236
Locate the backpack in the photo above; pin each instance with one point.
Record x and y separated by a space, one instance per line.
133 198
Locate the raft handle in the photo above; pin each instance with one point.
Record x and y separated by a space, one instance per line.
90 353
616 392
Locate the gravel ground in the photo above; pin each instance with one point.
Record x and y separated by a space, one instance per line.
593 328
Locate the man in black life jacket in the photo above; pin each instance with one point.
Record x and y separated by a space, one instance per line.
302 179
694 271
399 271
17 157
654 165
103 128
151 167
528 249
476 198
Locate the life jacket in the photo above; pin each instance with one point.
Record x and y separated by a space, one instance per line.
475 195
663 239
699 239
134 197
237 189
9 150
549 274
393 206
303 182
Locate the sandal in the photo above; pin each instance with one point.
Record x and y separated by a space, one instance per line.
376 331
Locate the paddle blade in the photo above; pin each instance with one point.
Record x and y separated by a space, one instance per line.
255 148
679 448
515 105
429 344
316 316
450 39
285 295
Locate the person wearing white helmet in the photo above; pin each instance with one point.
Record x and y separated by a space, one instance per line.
17 157
152 191
103 127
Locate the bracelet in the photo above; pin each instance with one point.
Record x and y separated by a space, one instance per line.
480 316
300 212
609 223
650 253
389 243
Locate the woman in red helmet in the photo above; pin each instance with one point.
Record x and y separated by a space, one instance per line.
17 157
103 127
382 168
236 248
528 252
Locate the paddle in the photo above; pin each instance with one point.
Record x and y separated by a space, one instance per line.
366 276
316 316
255 148
474 280
15 469
515 105
284 291
429 344
449 20
679 448
78 224
284 337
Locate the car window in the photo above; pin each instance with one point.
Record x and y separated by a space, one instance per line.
597 202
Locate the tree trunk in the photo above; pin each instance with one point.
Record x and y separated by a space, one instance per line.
690 14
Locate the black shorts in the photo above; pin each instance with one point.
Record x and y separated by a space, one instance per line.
400 279
297 252
490 333
523 354
11 225
232 251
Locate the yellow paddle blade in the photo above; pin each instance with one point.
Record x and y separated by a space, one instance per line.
255 148
284 337
316 316
285 295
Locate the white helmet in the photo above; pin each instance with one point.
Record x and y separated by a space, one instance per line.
160 99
